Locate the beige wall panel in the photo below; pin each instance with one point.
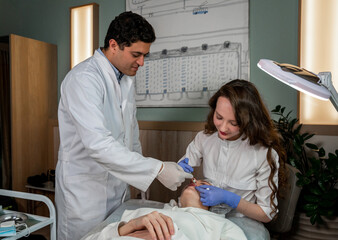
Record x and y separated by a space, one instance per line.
166 146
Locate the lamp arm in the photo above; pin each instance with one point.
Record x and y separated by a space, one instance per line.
325 81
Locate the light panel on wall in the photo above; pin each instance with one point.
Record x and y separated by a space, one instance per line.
318 52
84 37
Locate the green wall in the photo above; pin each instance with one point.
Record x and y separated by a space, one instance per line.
273 35
48 21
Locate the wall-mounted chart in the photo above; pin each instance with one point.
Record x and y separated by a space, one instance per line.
200 45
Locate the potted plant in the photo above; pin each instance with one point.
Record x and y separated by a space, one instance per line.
318 174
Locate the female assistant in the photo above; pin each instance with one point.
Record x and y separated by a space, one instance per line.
242 156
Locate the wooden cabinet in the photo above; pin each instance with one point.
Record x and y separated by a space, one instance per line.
33 103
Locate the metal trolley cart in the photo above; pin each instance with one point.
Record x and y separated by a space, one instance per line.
34 222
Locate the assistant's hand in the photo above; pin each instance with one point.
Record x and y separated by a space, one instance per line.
211 196
158 225
172 175
186 167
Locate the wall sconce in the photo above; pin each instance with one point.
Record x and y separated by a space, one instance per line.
84 32
318 51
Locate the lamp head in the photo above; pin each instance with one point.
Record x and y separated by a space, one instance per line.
319 86
296 77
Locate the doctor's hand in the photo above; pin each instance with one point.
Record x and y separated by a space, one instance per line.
186 167
172 175
154 225
211 196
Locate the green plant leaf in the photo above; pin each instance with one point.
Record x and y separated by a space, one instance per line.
312 146
297 130
303 181
282 110
331 163
315 190
287 115
322 185
316 218
299 175
297 147
332 156
312 198
307 136
299 140
310 172
310 213
321 152
310 207
328 178
318 175
313 219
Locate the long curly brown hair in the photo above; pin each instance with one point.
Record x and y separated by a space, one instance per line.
254 123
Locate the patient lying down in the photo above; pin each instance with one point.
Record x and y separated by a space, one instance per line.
191 220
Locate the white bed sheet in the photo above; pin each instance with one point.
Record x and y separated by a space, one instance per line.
211 225
131 204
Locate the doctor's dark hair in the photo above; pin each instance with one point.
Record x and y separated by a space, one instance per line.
254 123
128 28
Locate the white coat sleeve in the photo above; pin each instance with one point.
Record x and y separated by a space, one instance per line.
194 151
83 96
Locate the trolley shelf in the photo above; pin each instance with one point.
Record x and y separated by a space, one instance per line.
34 222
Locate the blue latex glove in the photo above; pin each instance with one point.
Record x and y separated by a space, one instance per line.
211 196
186 167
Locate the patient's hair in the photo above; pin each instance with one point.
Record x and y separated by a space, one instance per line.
254 123
128 28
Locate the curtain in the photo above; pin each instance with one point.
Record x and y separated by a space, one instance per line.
5 125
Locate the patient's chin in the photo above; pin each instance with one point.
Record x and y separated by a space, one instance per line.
190 190
188 195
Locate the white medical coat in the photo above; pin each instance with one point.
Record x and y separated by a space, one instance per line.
99 151
235 166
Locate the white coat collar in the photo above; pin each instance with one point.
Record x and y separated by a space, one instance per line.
230 144
104 62
118 74
126 82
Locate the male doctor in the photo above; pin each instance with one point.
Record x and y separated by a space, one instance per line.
100 152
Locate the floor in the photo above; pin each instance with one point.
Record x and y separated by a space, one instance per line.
45 232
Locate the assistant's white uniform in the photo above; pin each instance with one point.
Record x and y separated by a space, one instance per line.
99 151
235 166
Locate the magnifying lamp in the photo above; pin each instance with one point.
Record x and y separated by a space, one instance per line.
317 85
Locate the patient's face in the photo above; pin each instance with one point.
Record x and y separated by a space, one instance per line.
190 197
